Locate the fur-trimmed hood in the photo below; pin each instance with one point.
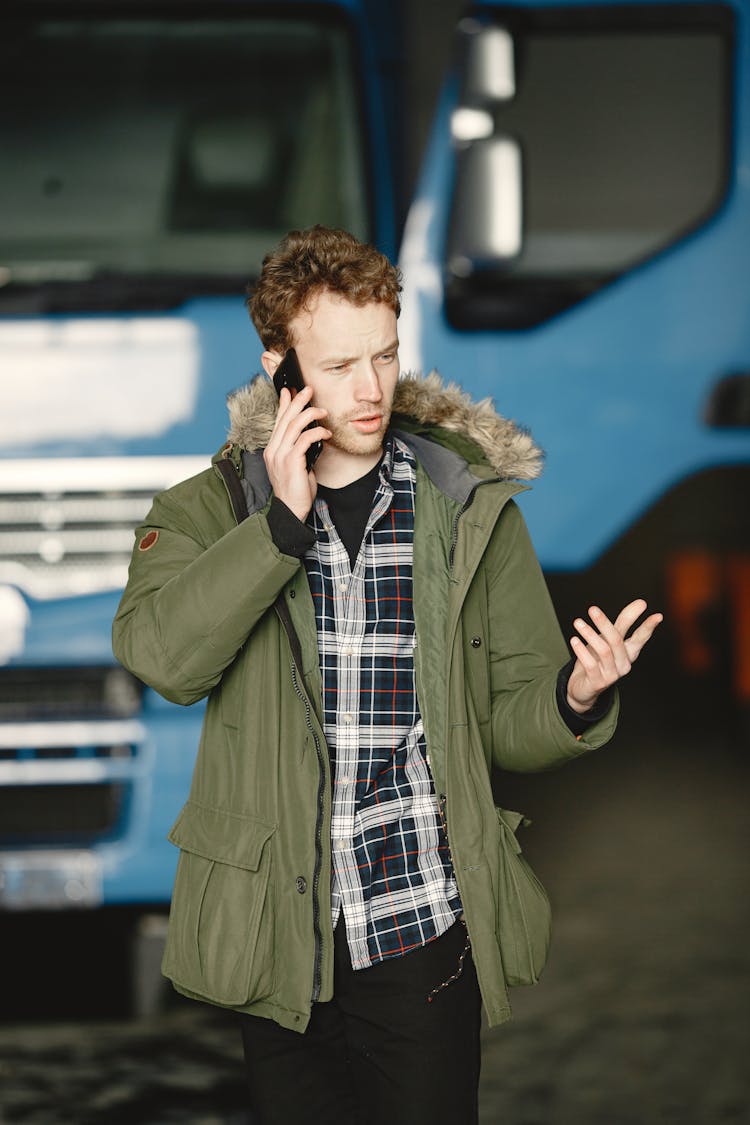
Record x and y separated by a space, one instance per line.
419 402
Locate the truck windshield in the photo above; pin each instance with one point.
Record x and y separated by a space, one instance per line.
171 150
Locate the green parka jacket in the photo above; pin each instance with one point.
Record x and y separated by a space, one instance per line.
212 608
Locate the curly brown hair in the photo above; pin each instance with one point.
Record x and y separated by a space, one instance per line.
307 261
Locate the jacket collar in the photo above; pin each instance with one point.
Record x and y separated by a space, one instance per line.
457 441
426 406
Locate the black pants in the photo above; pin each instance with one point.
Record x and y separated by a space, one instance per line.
379 1053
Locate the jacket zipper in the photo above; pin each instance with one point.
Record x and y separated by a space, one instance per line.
454 533
286 621
317 936
466 504
443 800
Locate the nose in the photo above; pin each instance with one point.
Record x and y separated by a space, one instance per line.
368 387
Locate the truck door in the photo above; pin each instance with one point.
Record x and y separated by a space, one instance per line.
578 250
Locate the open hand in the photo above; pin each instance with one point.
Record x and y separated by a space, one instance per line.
605 653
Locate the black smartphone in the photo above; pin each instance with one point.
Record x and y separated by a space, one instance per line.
289 374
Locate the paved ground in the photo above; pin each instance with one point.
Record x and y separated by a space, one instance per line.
642 1015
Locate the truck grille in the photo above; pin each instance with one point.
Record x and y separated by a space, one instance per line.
66 526
68 693
67 782
53 814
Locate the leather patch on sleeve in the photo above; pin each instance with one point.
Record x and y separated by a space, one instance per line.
148 541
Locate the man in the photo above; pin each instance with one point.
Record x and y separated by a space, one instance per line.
371 634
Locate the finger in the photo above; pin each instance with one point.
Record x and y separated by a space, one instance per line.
610 650
309 437
594 639
599 663
587 679
635 643
607 628
629 615
281 420
289 427
587 631
298 441
614 639
617 633
588 659
297 425
302 397
290 406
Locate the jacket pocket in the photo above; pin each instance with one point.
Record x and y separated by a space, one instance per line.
523 909
220 939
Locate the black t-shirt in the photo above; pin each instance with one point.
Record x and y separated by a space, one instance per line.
350 509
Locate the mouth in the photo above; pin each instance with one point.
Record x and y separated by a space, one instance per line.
369 424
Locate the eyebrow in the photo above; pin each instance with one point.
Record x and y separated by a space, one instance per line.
336 360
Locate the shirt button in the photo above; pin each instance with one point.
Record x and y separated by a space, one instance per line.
346 781
340 845
301 884
342 586
347 718
348 652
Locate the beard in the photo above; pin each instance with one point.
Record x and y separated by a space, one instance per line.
347 439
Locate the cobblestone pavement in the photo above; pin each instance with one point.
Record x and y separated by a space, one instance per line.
641 1018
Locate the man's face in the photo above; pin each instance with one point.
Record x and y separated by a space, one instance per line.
349 356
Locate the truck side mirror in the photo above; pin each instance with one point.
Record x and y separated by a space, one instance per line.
487 213
490 64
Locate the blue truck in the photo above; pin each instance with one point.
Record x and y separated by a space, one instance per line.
150 158
578 249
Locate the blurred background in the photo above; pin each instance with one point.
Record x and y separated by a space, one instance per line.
567 189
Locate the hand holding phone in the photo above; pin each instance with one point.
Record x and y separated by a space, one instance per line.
289 374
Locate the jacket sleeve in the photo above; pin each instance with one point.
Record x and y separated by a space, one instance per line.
527 651
190 605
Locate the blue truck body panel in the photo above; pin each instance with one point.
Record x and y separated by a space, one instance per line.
614 388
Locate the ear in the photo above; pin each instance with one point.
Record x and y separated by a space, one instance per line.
271 361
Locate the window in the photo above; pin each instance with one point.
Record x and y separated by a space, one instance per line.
606 141
173 146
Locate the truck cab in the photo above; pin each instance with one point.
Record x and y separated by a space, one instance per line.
577 249
150 159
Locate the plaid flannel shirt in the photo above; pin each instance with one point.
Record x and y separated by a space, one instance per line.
392 875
